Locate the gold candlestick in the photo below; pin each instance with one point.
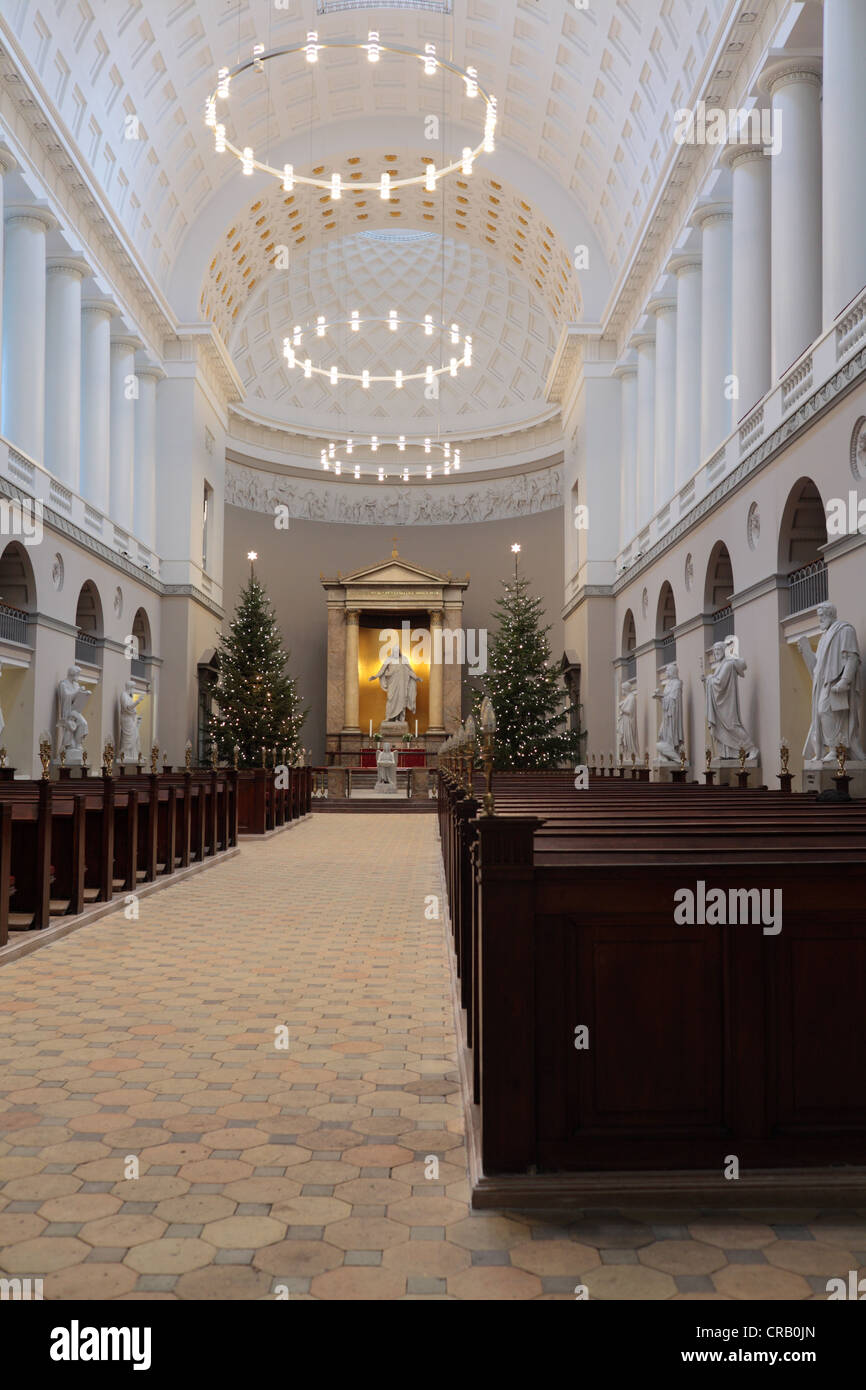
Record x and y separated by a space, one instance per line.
708 757
45 756
187 755
154 759
841 751
2 757
683 758
785 754
743 754
108 758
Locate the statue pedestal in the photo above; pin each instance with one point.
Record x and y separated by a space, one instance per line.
74 757
393 728
727 771
818 777
663 771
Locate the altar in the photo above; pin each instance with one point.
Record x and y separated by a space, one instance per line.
393 611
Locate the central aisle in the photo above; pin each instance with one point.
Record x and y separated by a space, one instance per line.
311 1168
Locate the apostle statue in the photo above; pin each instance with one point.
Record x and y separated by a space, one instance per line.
71 724
130 725
386 767
626 723
399 683
836 689
723 702
670 695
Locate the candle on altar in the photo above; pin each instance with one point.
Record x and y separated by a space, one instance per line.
416 728
371 728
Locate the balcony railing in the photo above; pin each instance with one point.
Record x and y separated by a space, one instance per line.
630 669
138 668
723 624
807 587
88 649
13 624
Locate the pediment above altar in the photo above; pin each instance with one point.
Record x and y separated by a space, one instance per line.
396 571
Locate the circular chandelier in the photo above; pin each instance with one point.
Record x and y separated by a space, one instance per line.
333 183
330 461
294 349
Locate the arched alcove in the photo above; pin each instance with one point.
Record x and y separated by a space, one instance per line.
89 629
666 621
802 533
17 593
718 589
629 643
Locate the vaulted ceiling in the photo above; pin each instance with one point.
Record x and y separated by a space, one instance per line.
585 103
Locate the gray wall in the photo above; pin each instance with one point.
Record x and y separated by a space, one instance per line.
290 563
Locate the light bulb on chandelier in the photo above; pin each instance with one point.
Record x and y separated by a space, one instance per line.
335 374
332 183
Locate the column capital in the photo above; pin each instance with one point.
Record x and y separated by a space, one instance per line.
686 264
146 368
8 162
626 367
100 306
436 616
27 214
67 265
710 214
125 342
352 617
791 71
734 155
642 340
662 304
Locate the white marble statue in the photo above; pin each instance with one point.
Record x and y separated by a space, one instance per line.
130 724
71 724
836 689
670 697
386 767
723 704
626 723
399 683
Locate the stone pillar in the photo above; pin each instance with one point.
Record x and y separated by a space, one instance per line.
124 386
144 485
687 429
645 450
7 165
627 373
664 410
717 406
796 209
23 414
63 368
436 712
350 719
96 316
751 274
844 130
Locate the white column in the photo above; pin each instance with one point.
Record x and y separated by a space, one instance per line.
23 416
665 311
96 316
796 210
844 138
7 165
144 486
717 405
124 388
687 431
645 450
751 276
63 368
627 373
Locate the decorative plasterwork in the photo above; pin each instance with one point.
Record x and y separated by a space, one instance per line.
199 343
385 505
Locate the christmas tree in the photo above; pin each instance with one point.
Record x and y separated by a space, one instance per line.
259 705
531 719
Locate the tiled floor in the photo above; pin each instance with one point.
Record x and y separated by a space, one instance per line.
310 1170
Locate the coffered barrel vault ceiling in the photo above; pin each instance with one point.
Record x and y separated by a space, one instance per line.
586 101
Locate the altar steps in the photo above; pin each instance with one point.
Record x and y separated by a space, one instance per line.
377 805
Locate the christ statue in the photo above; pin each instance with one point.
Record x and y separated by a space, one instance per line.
399 683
